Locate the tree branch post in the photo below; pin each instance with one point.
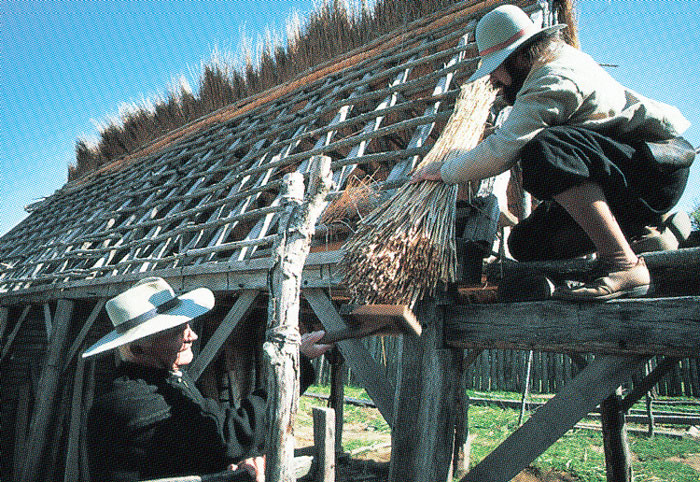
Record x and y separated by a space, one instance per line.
281 347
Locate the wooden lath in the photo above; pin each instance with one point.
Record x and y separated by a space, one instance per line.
212 198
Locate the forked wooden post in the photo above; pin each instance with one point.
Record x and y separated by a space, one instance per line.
281 348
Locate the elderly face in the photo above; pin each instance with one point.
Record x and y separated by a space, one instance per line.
172 348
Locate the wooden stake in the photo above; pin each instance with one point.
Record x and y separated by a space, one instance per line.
324 441
281 350
337 395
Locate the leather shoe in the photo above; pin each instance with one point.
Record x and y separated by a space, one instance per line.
626 283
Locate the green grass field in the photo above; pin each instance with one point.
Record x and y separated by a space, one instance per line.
579 453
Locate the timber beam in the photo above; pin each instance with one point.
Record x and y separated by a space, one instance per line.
320 271
551 421
664 326
240 310
358 358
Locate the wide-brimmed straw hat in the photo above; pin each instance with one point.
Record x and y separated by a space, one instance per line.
500 32
147 308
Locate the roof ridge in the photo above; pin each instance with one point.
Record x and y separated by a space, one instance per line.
338 64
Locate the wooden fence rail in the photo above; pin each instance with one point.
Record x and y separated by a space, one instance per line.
504 370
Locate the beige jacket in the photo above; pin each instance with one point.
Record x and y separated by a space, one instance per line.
571 89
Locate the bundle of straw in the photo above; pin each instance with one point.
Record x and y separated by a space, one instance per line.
406 247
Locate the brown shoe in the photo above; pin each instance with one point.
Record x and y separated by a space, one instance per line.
628 283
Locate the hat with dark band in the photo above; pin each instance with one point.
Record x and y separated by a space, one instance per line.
148 308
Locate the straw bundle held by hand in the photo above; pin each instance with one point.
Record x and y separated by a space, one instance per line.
406 247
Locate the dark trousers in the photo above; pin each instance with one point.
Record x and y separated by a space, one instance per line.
562 157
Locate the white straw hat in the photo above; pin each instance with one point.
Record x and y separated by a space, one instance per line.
147 308
500 32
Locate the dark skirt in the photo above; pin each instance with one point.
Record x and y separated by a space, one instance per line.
561 157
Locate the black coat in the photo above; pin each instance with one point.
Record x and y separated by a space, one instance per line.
153 424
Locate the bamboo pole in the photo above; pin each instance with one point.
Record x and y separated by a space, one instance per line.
282 339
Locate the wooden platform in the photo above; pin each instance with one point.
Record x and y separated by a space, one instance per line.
662 326
623 335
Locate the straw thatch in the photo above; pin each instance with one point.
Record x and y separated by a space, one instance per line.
331 29
406 247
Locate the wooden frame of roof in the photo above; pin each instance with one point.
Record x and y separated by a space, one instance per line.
207 202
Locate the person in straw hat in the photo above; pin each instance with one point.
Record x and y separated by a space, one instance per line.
582 140
153 422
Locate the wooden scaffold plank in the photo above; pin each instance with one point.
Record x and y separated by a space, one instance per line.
358 358
668 326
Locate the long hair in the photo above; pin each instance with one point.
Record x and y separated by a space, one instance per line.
540 49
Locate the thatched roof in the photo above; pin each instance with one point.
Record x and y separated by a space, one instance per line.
205 198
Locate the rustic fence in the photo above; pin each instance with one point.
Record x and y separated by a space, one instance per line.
505 370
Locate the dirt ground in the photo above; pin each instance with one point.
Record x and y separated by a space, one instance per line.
693 460
371 463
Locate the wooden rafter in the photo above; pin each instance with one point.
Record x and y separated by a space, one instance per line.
212 197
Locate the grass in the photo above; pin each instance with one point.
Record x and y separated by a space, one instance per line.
579 453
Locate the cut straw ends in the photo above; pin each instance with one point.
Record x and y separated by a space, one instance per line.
406 247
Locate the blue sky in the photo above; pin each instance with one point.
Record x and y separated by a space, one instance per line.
65 65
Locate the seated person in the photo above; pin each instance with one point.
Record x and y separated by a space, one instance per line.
153 422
